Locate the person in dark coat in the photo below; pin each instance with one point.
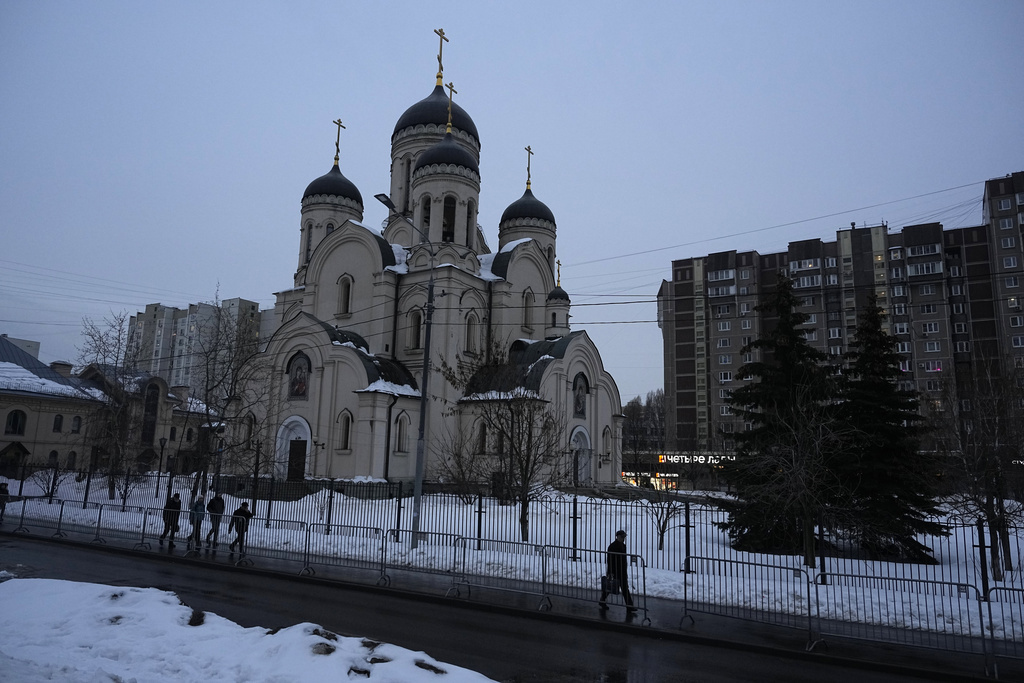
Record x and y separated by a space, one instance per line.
617 569
172 512
240 524
196 516
216 509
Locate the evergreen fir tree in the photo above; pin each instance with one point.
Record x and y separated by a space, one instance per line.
783 476
893 482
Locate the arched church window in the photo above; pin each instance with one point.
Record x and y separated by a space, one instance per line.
528 310
298 377
580 389
53 460
606 441
554 320
309 240
58 423
448 220
470 223
415 329
402 434
330 228
15 423
344 295
345 430
407 199
72 460
188 435
425 222
481 438
76 424
471 333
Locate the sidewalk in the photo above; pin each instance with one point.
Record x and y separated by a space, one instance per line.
662 618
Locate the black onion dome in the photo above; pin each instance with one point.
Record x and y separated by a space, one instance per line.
558 293
433 109
448 151
334 183
527 206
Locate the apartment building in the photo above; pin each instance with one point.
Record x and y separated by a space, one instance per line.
953 299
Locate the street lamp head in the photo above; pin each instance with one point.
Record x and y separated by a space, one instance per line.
386 201
163 442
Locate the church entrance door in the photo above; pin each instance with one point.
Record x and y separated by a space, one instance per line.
296 460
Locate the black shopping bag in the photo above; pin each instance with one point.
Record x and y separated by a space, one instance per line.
609 584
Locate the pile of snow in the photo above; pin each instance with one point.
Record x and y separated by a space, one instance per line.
91 633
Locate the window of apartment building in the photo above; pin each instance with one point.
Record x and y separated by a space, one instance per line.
933 366
744 308
830 262
746 340
725 376
1020 199
899 309
956 290
955 271
835 315
1018 342
835 350
929 308
744 291
831 279
899 290
905 366
900 328
725 359
963 347
929 268
1007 243
902 347
811 318
1017 321
807 281
1009 262
724 325
725 410
716 275
932 347
727 428
724 343
897 273
925 290
1013 302
748 357
923 249
811 335
958 308
932 385
744 324
929 328
1012 281
1006 224
745 274
905 385
1003 204
722 291
895 254
722 309
807 301
724 393
835 333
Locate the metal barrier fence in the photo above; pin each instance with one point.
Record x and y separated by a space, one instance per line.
575 573
501 565
435 553
343 545
921 612
1005 624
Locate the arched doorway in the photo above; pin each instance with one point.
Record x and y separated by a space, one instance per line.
292 449
582 455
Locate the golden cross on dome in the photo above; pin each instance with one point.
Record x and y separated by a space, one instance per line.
440 50
337 143
559 264
451 91
529 153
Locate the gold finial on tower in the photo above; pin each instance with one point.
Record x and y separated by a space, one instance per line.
559 264
440 50
451 91
529 153
337 143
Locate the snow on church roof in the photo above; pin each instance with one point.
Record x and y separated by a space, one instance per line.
13 377
384 387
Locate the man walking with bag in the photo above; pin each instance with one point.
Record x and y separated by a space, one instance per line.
240 524
171 513
216 509
618 572
198 511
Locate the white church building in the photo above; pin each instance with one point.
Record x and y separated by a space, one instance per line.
346 344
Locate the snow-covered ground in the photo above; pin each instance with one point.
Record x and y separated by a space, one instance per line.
67 632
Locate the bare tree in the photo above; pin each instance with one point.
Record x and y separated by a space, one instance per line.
526 440
634 436
119 428
461 460
977 427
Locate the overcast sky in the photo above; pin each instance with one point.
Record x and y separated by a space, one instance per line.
157 152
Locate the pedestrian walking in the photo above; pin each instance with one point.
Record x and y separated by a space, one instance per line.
216 509
172 511
240 524
198 513
617 570
5 495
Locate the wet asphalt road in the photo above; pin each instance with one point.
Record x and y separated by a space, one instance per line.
499 643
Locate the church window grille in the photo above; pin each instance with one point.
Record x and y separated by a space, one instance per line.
58 423
15 423
309 240
415 329
528 310
554 320
481 439
471 333
76 424
53 459
448 220
345 431
330 228
402 434
470 224
345 295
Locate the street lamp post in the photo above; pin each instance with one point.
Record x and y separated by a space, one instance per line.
417 487
160 467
